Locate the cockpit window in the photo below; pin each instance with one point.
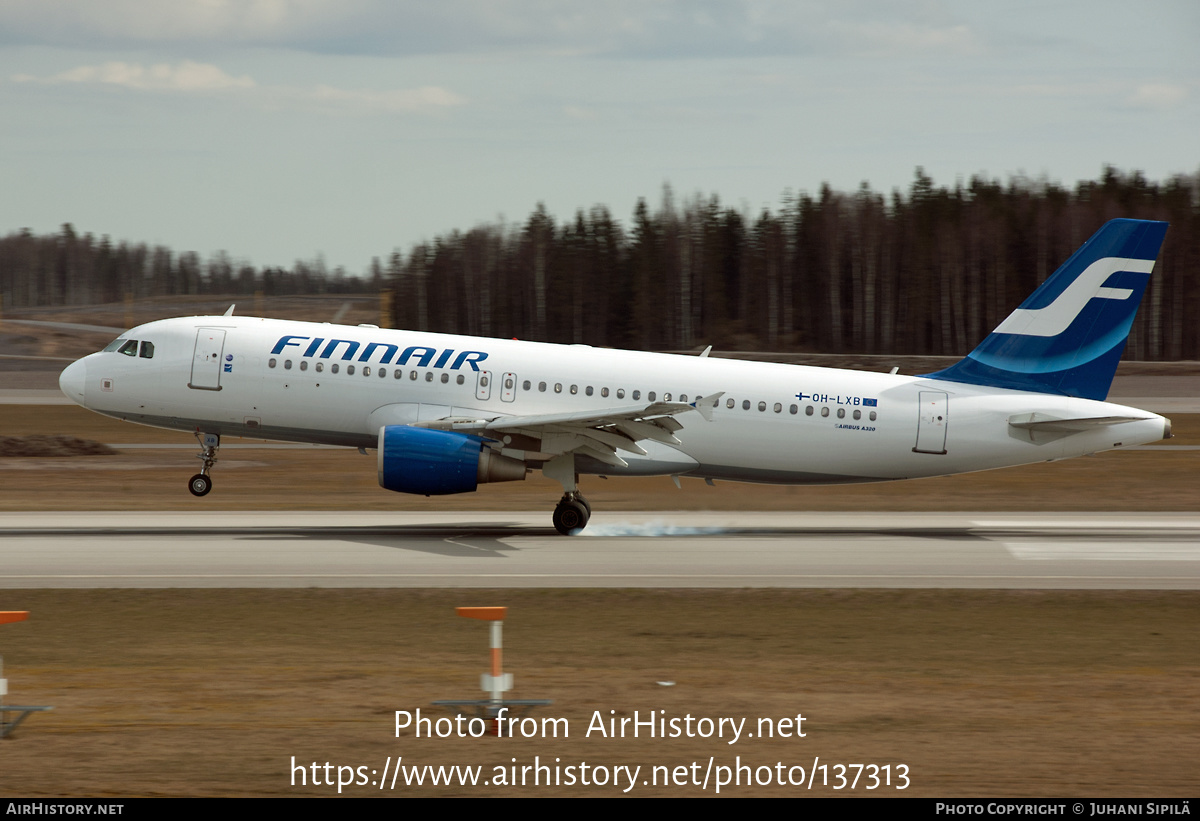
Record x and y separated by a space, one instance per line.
116 343
147 350
130 348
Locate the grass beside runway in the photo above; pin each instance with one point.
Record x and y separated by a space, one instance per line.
325 479
212 692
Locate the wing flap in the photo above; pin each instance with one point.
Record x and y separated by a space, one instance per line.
596 433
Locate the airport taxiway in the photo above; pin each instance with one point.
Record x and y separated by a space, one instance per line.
1159 551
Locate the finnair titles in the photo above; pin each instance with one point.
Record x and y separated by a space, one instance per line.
446 413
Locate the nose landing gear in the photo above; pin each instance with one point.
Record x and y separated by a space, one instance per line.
201 483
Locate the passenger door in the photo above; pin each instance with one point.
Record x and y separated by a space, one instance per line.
206 359
932 423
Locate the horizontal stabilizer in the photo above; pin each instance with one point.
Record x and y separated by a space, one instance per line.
1042 421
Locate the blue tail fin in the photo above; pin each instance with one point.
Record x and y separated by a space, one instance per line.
1069 335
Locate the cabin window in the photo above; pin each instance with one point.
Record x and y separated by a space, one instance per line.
745 404
841 413
350 370
650 396
429 376
398 374
808 411
666 397
792 409
366 370
620 393
558 387
320 366
588 390
460 379
824 411
147 350
858 414
526 385
872 416
271 362
383 373
303 364
542 387
412 375
604 391
683 397
778 407
287 364
483 381
508 384
637 394
445 378
729 403
574 389
762 406
333 368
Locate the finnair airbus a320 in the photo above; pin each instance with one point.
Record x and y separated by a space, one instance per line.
449 412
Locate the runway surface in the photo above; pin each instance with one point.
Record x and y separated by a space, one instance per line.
1158 551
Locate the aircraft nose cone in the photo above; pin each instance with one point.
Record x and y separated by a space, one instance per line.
73 382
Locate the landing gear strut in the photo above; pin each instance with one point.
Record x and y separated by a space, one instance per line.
201 483
573 511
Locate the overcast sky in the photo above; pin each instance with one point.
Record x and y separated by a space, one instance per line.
283 129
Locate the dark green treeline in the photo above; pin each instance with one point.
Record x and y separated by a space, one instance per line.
927 271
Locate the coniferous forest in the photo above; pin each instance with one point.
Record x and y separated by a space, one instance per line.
926 271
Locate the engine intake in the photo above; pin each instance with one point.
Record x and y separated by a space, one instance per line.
437 462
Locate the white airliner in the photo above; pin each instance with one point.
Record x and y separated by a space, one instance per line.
448 412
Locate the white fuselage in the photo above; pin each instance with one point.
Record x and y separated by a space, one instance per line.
265 378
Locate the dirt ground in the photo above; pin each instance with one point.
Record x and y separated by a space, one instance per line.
994 693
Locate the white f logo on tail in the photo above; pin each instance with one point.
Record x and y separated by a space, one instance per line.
1059 314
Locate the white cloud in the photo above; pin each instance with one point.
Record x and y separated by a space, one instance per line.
641 28
71 22
189 76
184 76
1158 95
902 38
425 98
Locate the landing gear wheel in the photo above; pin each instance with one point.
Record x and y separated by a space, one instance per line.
571 516
199 485
586 504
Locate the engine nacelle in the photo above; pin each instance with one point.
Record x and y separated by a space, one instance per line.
436 462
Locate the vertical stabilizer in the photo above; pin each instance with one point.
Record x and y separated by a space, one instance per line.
1069 335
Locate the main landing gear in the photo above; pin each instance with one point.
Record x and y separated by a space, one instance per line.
201 483
573 511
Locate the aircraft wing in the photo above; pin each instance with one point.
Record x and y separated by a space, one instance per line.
596 433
